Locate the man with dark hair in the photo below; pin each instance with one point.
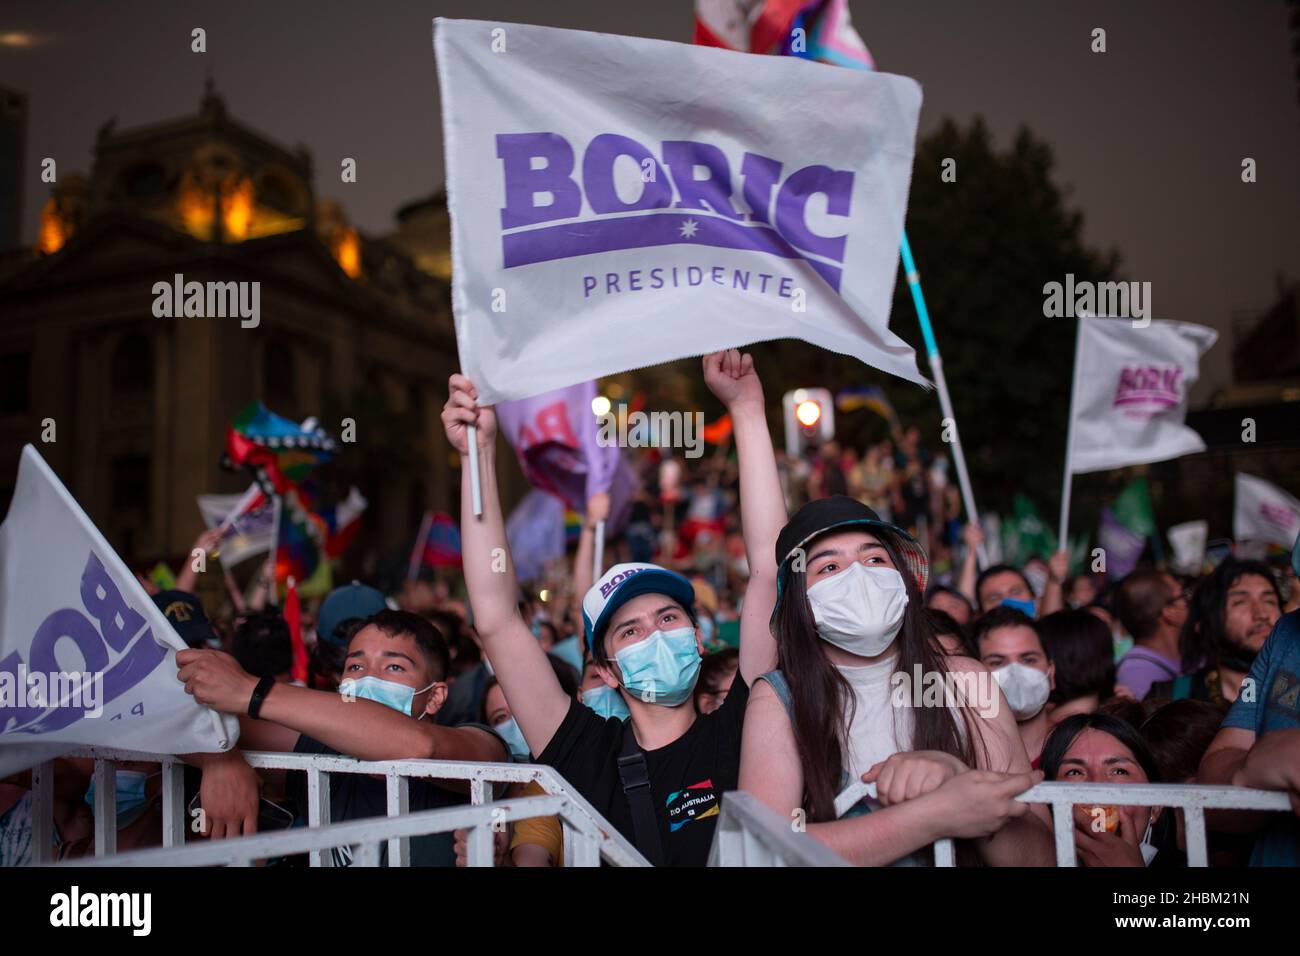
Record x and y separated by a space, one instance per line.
657 777
394 675
1259 744
1152 607
1232 612
1010 647
1001 583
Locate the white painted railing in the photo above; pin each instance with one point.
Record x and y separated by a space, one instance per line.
588 837
749 834
1192 799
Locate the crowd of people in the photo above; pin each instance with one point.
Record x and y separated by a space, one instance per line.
762 624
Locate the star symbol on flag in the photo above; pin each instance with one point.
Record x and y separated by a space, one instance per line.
689 228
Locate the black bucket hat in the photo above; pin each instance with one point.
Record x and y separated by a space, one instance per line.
839 511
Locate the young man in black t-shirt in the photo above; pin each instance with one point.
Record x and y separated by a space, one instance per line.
659 777
394 675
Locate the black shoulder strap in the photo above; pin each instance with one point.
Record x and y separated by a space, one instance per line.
632 771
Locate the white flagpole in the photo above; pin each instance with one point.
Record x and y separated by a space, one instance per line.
959 457
475 488
598 552
414 565
1062 541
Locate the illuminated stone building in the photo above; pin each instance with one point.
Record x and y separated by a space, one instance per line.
348 328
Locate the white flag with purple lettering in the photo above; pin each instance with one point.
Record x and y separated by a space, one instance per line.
86 658
1130 392
1264 512
618 202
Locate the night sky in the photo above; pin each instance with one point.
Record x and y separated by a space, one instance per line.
1149 136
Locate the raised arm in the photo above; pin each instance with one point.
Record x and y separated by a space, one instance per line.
973 536
206 542
731 377
536 698
584 570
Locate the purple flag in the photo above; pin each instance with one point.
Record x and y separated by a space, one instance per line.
555 437
535 530
1123 548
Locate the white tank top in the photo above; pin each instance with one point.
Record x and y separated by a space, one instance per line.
878 729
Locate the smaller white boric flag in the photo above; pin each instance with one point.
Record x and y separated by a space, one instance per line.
1130 392
1264 512
86 657
617 202
248 523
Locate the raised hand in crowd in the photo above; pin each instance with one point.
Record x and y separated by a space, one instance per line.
207 543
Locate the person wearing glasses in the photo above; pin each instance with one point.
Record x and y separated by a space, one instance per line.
1152 607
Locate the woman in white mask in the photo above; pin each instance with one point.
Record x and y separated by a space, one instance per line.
853 640
1100 748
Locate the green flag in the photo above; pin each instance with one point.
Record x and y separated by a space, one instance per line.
162 576
1024 534
1133 508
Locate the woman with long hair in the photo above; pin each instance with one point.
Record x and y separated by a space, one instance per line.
853 643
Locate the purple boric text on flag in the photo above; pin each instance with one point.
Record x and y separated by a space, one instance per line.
618 202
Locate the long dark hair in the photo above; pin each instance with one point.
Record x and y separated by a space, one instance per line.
1067 731
1204 640
1080 645
822 696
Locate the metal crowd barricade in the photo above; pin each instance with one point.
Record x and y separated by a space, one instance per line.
1192 799
749 834
588 838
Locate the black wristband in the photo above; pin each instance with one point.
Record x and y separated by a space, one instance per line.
259 695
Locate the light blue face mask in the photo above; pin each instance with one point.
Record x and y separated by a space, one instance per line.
663 668
131 801
386 692
1026 606
606 701
514 737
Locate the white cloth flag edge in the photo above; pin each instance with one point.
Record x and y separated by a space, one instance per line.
1072 468
895 358
1258 487
225 727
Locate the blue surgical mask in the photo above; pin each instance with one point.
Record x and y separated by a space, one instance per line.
514 737
1026 606
606 701
386 692
131 800
663 668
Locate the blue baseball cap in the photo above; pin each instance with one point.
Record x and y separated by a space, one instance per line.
623 582
350 601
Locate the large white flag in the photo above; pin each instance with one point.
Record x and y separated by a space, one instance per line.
1130 392
1264 512
248 522
85 656
618 202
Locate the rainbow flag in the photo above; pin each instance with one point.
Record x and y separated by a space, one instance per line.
280 452
817 30
870 397
572 526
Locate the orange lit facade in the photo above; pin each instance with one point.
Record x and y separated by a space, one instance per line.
349 327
